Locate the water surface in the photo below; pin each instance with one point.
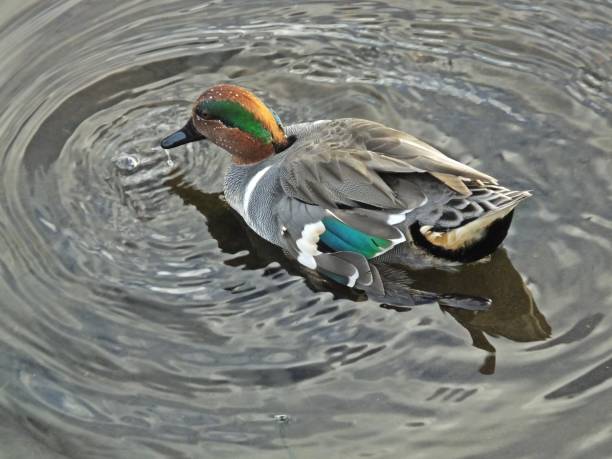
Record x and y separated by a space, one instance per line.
142 319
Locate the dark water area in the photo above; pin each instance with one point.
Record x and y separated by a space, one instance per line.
142 319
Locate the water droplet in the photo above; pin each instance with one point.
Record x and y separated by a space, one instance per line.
127 163
169 160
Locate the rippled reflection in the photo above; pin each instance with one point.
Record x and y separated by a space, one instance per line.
512 312
142 319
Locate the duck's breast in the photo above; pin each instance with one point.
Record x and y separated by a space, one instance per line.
252 191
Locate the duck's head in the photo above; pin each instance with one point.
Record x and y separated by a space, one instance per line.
234 119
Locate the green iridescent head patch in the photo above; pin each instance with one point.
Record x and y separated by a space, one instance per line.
233 114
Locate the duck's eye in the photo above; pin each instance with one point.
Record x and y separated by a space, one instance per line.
201 112
203 115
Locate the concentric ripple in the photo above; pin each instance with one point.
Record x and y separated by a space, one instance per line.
141 318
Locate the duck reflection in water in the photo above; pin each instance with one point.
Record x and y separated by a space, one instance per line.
486 298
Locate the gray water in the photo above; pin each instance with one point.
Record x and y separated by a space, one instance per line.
141 319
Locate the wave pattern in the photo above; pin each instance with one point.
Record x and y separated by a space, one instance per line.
142 319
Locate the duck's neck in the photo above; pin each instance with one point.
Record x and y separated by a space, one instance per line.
250 158
244 148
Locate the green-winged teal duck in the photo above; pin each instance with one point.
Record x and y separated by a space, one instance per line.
337 194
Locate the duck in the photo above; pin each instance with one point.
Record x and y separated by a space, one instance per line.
341 196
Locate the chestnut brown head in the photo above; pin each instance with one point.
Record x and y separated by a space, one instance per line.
234 119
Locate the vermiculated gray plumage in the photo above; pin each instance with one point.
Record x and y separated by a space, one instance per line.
372 180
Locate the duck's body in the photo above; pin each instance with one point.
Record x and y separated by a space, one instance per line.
338 194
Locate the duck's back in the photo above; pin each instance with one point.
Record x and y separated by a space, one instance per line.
349 188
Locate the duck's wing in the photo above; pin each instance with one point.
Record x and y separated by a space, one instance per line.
319 240
349 186
349 163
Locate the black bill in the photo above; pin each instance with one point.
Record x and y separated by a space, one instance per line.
185 135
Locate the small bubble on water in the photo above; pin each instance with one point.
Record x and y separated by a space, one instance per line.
281 418
127 163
